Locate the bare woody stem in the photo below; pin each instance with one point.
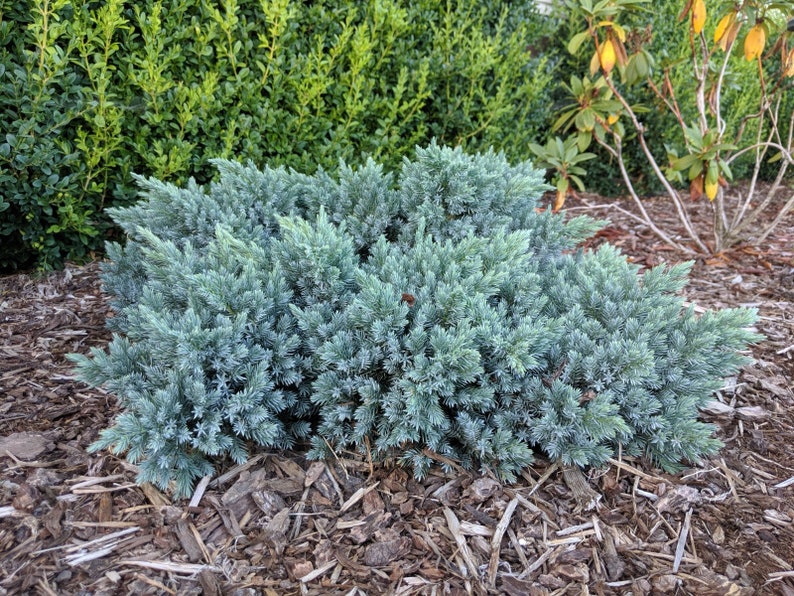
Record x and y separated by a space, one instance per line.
671 192
617 153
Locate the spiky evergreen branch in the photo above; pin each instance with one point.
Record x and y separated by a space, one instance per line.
443 315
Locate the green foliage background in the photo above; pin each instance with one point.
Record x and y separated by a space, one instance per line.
92 92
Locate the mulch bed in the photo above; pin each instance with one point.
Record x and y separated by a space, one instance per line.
73 522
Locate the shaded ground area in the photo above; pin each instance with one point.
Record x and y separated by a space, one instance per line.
75 523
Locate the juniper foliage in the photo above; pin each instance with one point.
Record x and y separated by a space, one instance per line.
431 315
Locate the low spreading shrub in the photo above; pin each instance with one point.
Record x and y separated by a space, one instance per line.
433 315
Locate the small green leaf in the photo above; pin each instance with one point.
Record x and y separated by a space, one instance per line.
577 40
695 170
713 173
562 185
775 158
685 162
583 140
588 119
726 171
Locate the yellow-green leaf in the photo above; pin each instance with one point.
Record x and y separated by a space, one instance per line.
577 40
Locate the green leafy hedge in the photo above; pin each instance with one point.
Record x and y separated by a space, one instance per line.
92 92
436 315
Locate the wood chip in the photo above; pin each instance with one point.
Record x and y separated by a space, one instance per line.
454 527
496 541
170 567
751 413
356 497
188 540
25 446
199 491
717 408
681 544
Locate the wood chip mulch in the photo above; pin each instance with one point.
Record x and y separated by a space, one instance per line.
76 523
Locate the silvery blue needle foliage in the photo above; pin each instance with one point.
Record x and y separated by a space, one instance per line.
433 314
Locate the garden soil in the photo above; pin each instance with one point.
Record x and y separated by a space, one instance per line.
74 522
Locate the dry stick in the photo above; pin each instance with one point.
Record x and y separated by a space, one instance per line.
223 479
757 168
201 488
496 541
632 470
168 566
357 496
300 507
552 468
312 575
154 583
785 483
679 548
517 546
44 586
454 527
539 562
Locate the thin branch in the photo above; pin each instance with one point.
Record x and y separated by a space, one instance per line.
780 216
618 154
671 103
721 124
671 192
741 212
787 155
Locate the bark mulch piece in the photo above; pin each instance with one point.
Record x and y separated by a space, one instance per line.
76 523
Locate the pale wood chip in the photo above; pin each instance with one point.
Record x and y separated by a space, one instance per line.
10 511
633 470
717 408
454 527
312 575
785 483
574 529
681 544
155 497
496 541
25 446
357 496
751 413
108 524
171 567
86 481
471 529
199 491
